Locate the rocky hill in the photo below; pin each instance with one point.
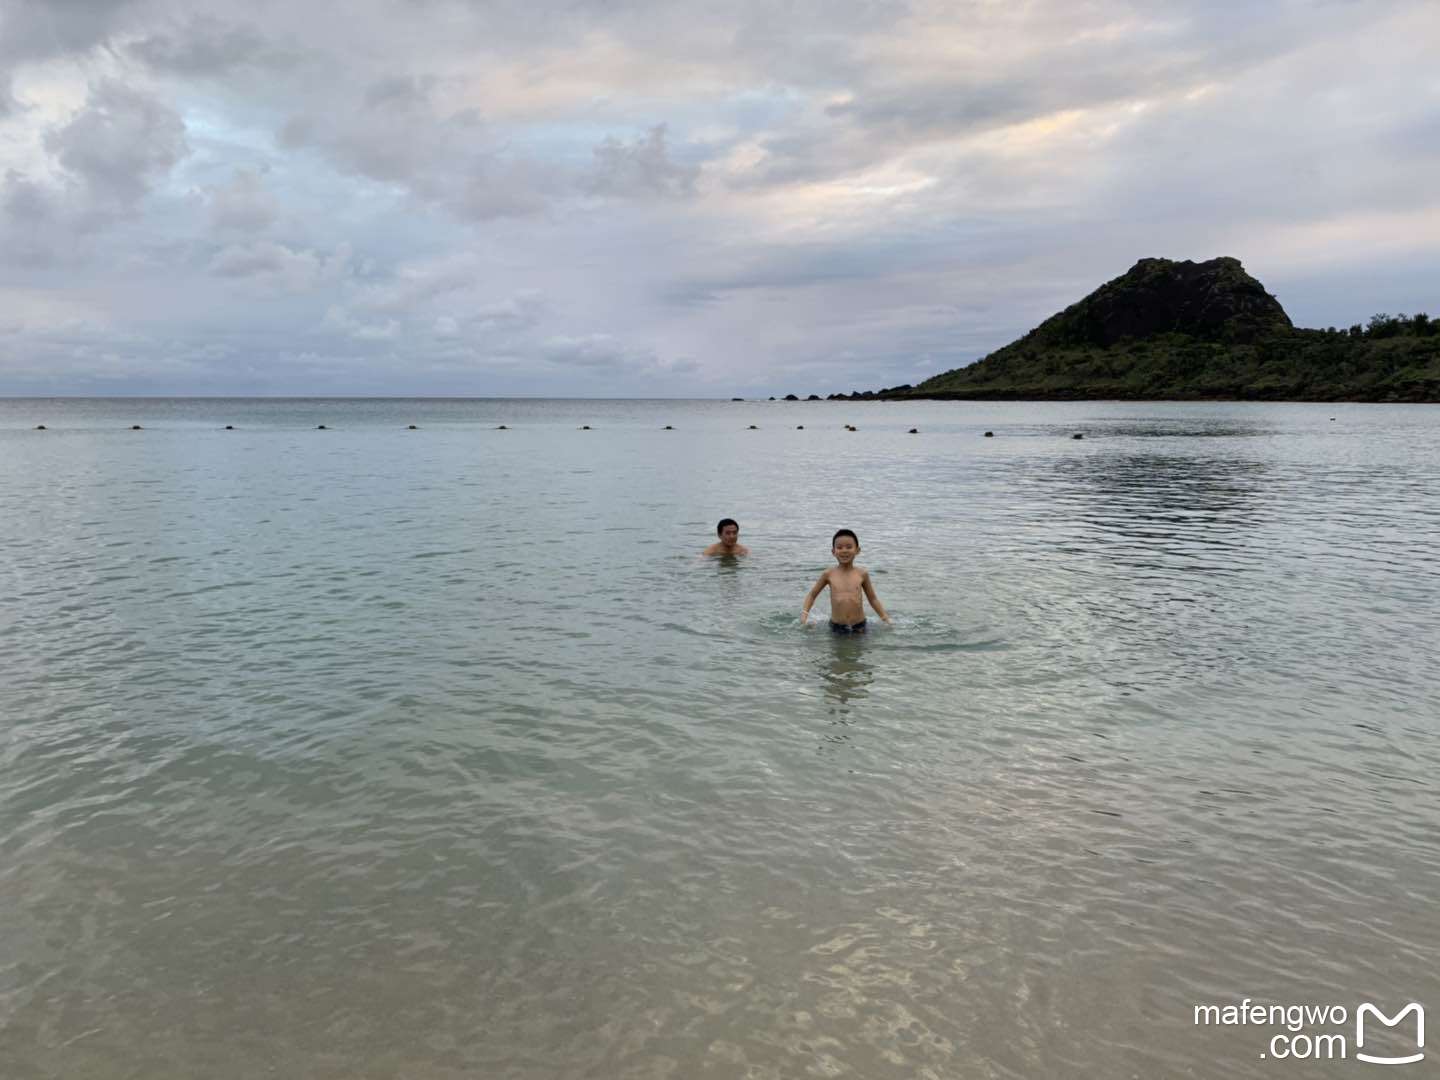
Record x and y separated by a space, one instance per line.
1168 329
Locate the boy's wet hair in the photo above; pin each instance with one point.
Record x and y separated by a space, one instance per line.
844 532
726 521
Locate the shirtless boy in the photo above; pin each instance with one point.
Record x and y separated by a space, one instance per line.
729 542
847 582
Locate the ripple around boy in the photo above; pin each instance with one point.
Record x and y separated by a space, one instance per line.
729 542
846 581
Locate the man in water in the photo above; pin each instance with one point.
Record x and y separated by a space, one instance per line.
729 542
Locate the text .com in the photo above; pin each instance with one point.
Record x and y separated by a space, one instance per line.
1324 1032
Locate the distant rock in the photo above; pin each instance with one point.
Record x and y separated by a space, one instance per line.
1191 330
789 397
1212 301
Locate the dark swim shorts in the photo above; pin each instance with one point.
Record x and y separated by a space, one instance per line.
841 628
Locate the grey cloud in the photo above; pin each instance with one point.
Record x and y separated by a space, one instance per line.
276 267
394 150
597 351
796 266
812 154
38 29
340 320
1173 46
640 169
521 311
250 260
208 46
25 200
683 294
399 91
244 205
400 137
604 354
961 107
448 160
413 286
118 145
28 221
497 188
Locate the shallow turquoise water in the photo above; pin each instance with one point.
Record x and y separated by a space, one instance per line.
372 752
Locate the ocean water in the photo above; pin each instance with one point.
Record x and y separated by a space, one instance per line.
371 752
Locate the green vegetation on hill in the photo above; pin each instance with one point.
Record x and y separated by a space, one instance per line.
1199 330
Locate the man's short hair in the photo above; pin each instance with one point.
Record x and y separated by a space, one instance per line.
726 521
844 532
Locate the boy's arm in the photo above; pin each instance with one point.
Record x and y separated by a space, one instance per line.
874 600
813 595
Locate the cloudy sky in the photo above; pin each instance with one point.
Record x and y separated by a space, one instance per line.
677 198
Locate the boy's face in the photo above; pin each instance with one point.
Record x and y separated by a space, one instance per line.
729 534
845 549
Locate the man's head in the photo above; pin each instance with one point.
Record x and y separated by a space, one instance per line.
845 545
728 531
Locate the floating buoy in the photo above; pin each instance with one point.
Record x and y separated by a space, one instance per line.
584 427
753 428
1077 435
502 427
39 427
799 427
229 427
989 434
319 427
669 427
136 427
914 431
414 428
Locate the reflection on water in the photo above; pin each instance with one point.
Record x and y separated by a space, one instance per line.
1205 427
1201 497
845 674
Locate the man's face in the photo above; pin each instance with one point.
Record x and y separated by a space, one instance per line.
729 534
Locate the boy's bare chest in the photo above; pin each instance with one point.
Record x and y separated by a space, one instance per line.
846 584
